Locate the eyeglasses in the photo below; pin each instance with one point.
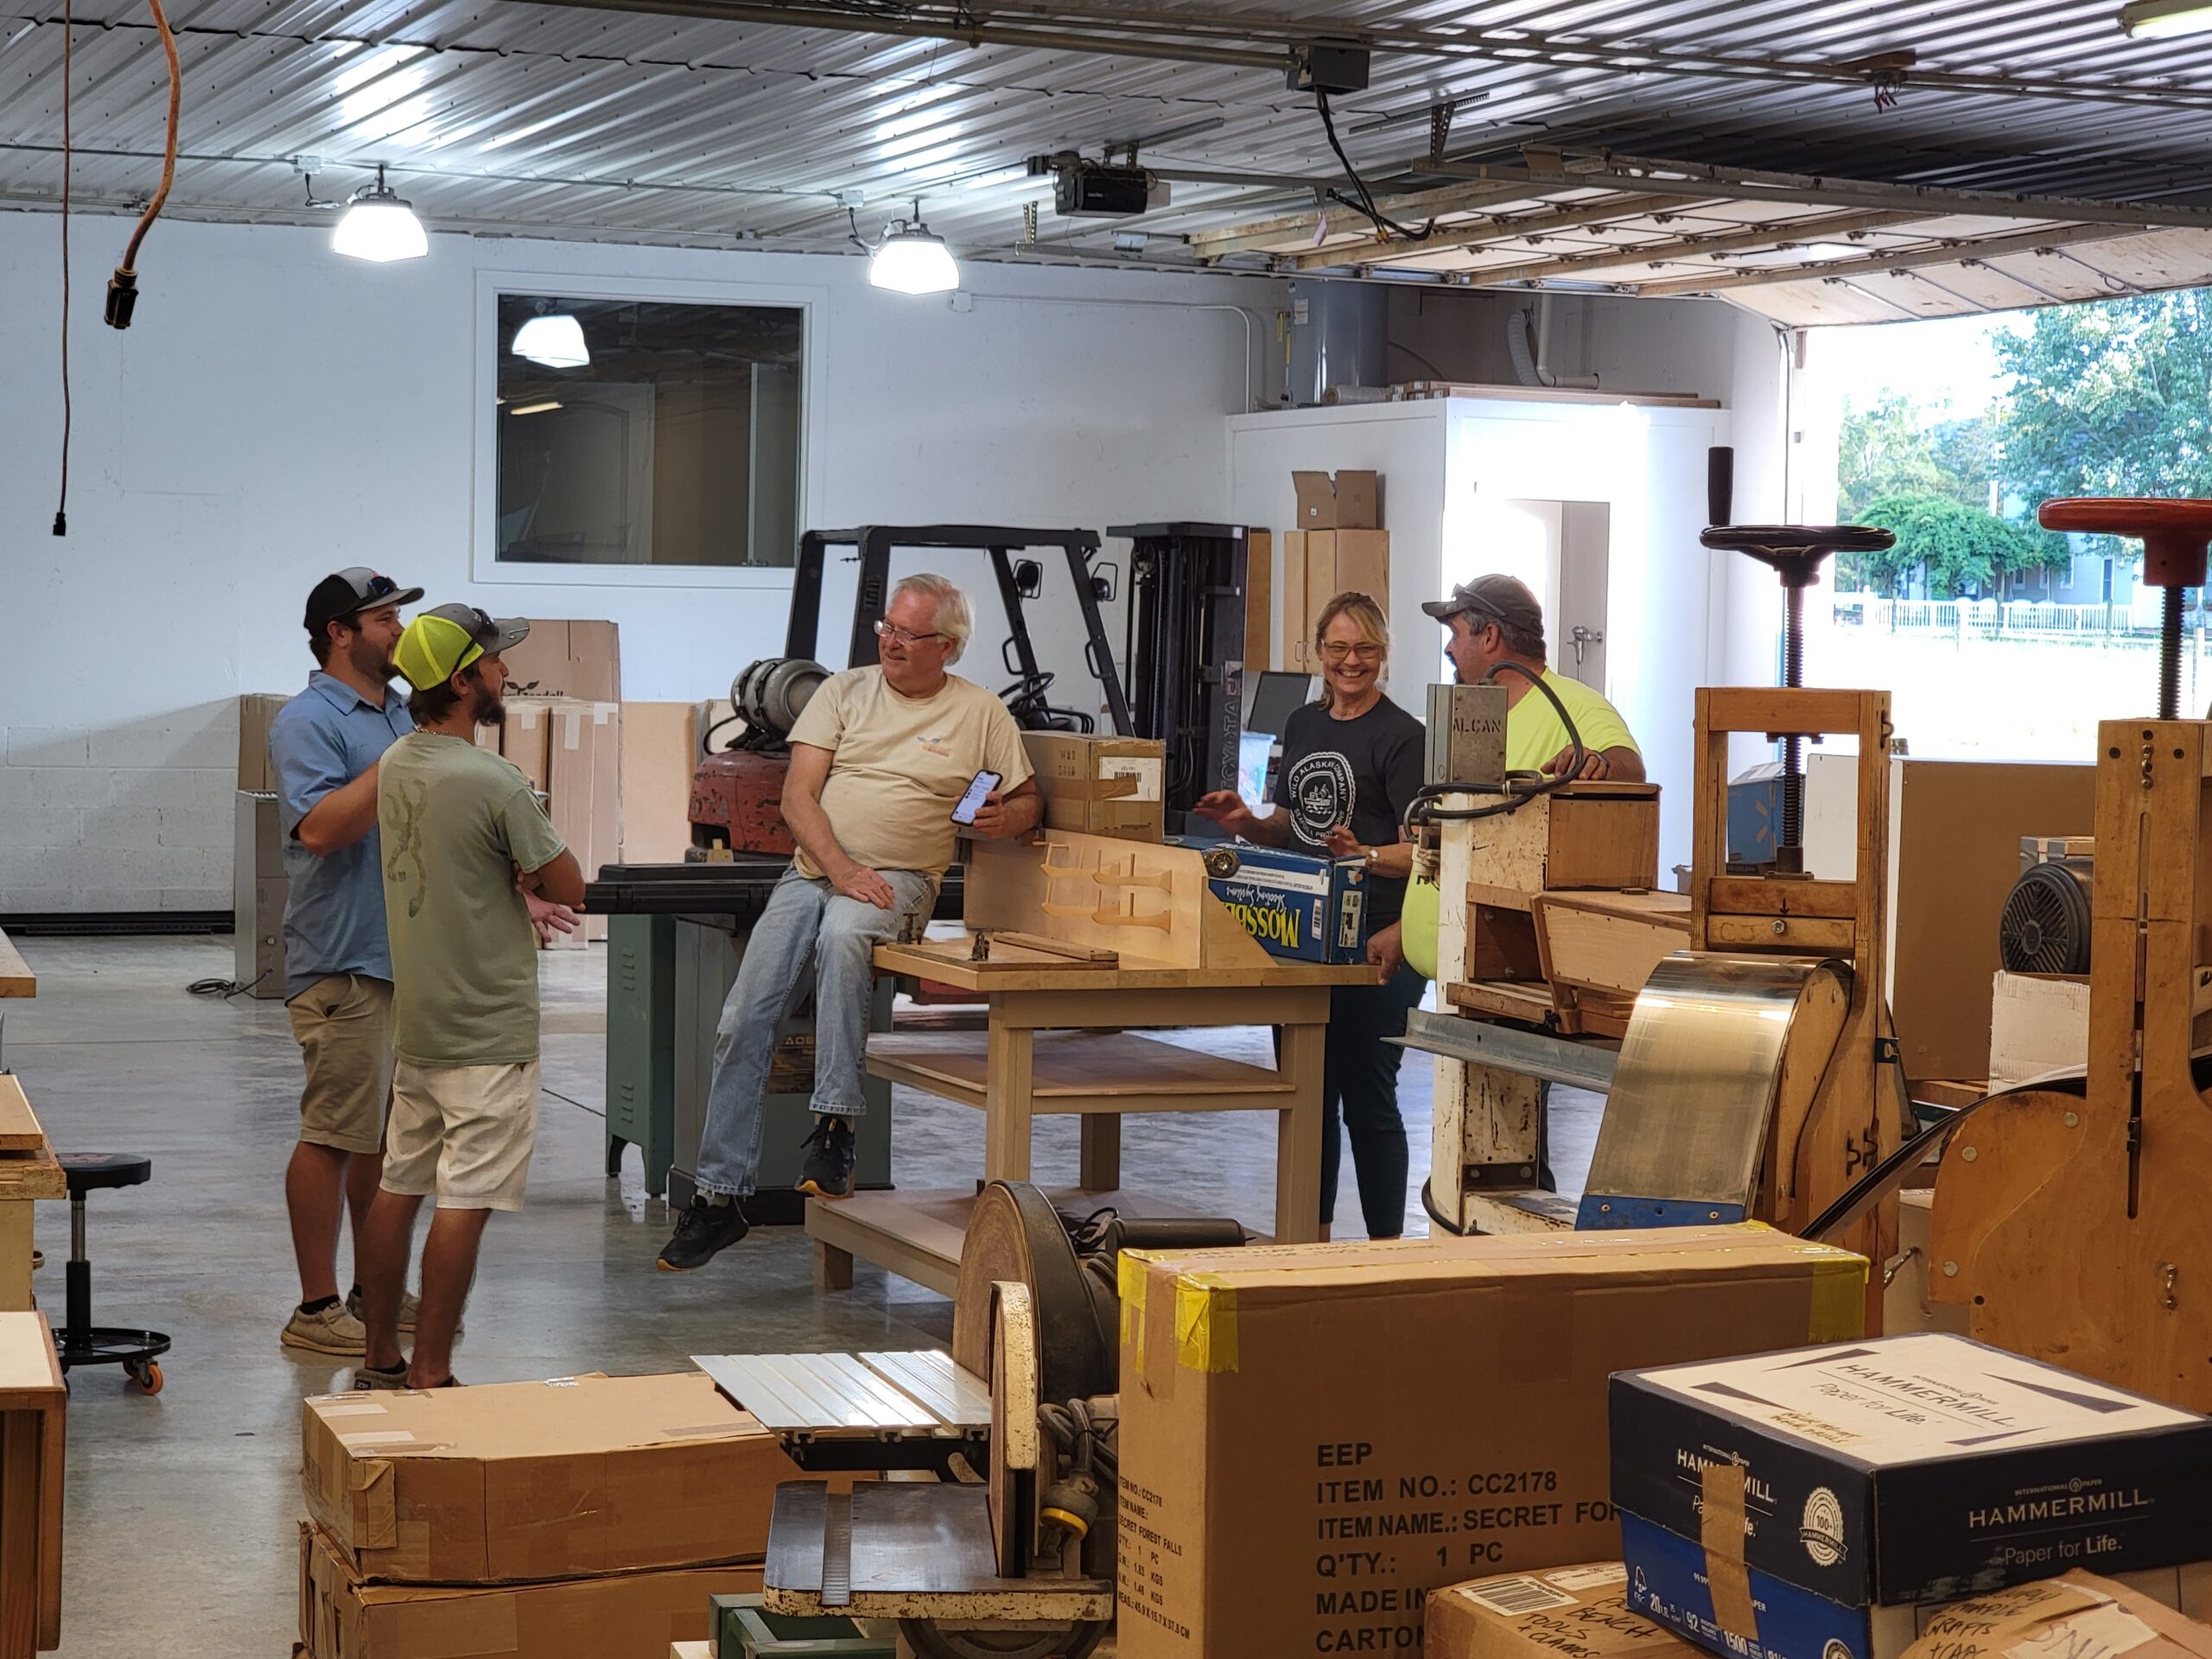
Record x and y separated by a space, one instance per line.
1337 651
899 637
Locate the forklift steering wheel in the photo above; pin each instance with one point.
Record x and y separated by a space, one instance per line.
1024 700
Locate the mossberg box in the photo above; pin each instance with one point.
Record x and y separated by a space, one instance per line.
1306 906
1799 1505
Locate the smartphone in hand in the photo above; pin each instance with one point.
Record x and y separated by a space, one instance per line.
978 789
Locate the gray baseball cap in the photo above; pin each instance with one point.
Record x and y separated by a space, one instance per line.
1498 598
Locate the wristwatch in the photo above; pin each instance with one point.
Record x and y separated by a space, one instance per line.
1369 858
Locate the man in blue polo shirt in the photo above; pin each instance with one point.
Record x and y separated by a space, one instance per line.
324 746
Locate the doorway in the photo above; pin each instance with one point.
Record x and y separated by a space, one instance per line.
1562 550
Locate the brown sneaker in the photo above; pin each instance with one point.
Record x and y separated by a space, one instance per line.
332 1330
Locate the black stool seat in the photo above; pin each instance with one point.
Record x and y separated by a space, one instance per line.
1796 551
87 1172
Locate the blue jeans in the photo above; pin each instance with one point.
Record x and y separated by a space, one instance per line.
806 923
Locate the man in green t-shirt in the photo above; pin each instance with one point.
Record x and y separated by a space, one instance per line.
1496 619
468 854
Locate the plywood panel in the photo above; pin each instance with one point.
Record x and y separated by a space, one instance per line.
1959 824
16 976
19 1127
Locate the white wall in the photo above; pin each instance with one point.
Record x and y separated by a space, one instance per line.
278 412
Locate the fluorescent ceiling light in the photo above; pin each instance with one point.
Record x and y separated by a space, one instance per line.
912 261
2158 19
557 341
379 226
537 408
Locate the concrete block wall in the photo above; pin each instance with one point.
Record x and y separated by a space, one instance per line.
132 816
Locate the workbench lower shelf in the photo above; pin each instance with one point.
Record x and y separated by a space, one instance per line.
1076 1071
918 1234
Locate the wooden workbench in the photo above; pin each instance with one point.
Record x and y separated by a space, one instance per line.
28 1174
16 976
33 1400
1062 1037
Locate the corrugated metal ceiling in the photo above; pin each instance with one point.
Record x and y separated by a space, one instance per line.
505 116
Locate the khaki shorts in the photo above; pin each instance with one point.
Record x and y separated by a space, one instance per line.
343 1026
463 1132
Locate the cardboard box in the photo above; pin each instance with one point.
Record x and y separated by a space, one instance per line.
660 751
2037 1023
1954 852
1301 905
1302 1422
1101 786
1349 500
522 1481
1806 1503
256 710
584 778
526 737
2076 1616
620 1616
1580 1611
1583 1612
1297 639
564 658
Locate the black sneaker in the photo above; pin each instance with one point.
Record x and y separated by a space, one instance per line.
703 1232
828 1171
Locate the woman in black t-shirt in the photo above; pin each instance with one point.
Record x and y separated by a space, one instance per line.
1351 764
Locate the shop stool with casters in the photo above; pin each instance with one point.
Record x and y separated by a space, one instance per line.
82 1342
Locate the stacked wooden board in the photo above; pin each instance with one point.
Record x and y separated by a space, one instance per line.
33 1398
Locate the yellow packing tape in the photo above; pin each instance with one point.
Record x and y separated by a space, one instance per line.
1839 1310
1129 1275
1206 1324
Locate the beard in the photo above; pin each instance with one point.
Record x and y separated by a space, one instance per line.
370 661
488 706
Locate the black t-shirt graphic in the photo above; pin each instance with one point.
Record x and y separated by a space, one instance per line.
1362 772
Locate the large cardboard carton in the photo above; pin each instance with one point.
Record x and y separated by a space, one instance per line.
1808 1502
1583 1613
521 1481
1101 786
1580 1611
1349 500
660 753
526 737
1299 1422
257 709
621 1616
584 778
563 658
2077 1616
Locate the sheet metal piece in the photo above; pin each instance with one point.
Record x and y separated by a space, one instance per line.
1695 1088
881 1394
1581 1064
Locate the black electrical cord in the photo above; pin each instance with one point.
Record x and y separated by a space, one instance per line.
68 142
226 989
1419 810
1363 200
707 743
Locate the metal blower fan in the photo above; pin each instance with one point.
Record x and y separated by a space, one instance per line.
2045 927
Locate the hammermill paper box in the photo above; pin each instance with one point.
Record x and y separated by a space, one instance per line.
1804 1505
517 1481
1315 1436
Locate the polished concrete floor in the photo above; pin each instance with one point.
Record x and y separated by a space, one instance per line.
182 1508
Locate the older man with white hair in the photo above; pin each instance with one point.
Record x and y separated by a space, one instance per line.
880 758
